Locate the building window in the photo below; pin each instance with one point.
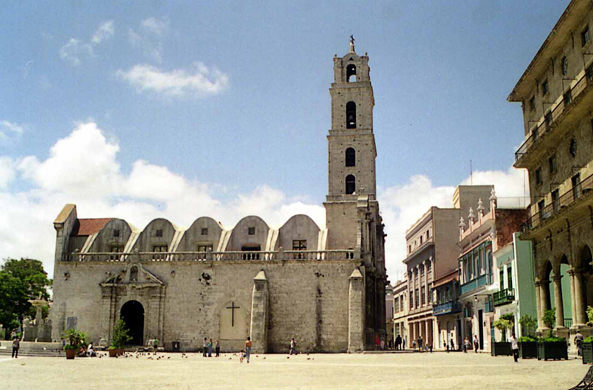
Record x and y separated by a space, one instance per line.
251 248
538 176
427 234
532 103
409 248
350 157
204 231
350 184
423 295
205 247
567 97
116 233
421 240
545 87
428 267
573 147
501 284
548 119
251 231
555 200
564 66
299 245
552 164
417 298
134 274
541 205
576 185
160 248
351 115
159 233
411 300
589 73
585 37
351 73
510 277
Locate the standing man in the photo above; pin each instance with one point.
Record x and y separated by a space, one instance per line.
578 340
210 348
217 348
476 343
292 347
248 345
515 347
16 344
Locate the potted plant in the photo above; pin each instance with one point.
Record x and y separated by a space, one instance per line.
551 347
502 348
587 344
119 339
528 342
75 340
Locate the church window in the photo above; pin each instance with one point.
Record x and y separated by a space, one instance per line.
350 184
251 231
351 115
350 157
116 233
159 233
351 73
134 274
160 248
299 245
205 247
204 231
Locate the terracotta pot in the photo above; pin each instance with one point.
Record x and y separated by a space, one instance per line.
113 352
70 353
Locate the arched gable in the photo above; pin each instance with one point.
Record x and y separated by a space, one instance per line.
112 237
250 232
157 236
298 230
204 233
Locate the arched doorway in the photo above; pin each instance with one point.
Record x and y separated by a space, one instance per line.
132 313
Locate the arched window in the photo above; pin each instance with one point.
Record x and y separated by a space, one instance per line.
350 184
134 274
351 115
351 71
350 157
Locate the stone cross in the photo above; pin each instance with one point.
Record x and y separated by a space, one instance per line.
233 307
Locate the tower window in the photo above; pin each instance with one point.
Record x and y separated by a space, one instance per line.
350 157
351 73
204 231
251 231
350 184
351 115
159 233
134 274
116 233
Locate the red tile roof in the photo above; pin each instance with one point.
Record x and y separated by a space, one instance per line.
89 226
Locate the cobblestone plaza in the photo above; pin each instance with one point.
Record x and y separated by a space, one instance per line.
319 371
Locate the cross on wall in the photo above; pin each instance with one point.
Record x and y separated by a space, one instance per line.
232 308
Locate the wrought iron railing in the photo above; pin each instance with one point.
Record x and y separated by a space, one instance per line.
476 283
211 256
488 306
567 322
446 308
503 297
551 117
559 204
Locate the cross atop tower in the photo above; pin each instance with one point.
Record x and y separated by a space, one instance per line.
351 43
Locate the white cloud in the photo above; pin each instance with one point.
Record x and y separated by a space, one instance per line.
403 205
9 129
155 26
105 31
83 168
75 50
198 81
149 37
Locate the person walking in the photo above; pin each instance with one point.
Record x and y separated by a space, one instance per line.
377 342
515 347
476 344
452 345
248 345
465 344
292 347
210 348
578 340
205 347
217 348
16 344
404 343
420 343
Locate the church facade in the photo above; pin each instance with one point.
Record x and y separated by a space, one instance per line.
324 287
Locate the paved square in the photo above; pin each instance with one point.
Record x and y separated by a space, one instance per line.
324 371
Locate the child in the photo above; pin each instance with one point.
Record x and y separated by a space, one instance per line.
241 356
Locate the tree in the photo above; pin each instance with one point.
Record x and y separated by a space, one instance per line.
20 280
529 323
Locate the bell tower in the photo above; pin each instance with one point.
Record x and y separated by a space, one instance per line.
351 147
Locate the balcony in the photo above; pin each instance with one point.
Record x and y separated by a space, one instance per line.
551 118
476 283
446 308
504 296
559 205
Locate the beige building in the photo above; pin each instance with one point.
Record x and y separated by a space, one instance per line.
400 311
556 97
326 288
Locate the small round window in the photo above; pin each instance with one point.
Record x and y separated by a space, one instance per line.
573 147
564 65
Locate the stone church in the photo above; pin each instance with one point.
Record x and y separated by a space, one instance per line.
325 288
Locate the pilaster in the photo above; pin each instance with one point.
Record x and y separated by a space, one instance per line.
259 313
356 312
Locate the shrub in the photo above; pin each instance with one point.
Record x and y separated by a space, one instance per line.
589 316
527 339
75 339
529 324
549 318
120 335
551 339
502 325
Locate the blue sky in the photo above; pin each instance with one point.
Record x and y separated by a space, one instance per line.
228 102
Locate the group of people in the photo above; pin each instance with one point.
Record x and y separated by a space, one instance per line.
207 348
